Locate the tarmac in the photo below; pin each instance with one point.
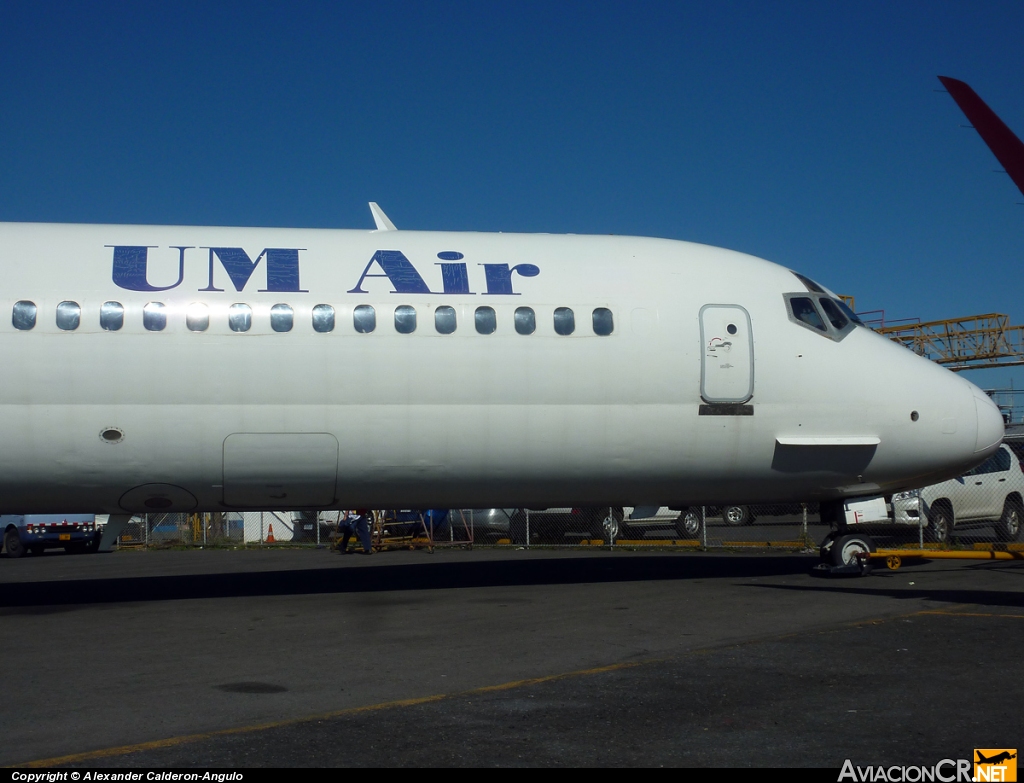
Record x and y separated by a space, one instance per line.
238 659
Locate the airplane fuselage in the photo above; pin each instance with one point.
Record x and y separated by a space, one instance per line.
195 376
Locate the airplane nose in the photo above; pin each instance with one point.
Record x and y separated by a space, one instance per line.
990 423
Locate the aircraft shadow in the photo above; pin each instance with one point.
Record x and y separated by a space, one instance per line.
416 577
1005 598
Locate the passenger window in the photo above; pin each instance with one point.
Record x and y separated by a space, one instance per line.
444 319
526 320
323 318
486 320
804 311
24 315
240 317
111 316
565 321
364 319
197 317
833 313
281 317
69 316
154 316
603 324
405 319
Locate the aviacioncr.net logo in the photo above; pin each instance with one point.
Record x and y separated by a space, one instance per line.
945 771
995 764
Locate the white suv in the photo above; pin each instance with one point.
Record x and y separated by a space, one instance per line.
991 494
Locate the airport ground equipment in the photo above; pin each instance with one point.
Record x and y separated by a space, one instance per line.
421 529
855 555
989 496
33 533
894 558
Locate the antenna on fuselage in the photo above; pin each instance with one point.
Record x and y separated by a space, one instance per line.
383 221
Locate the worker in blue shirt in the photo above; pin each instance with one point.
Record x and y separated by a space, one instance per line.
357 522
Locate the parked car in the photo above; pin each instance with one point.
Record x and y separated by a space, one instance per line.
608 523
990 495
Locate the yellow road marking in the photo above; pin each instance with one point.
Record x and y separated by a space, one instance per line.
973 614
387 705
769 544
188 738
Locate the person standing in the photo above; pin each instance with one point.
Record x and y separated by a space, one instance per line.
358 522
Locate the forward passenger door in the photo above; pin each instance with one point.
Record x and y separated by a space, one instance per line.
727 357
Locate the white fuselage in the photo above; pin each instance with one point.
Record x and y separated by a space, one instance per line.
132 419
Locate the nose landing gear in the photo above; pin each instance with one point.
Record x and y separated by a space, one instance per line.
848 554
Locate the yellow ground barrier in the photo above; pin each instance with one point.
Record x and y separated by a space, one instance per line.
763 544
894 557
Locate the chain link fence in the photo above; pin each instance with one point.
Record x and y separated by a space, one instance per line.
226 528
981 510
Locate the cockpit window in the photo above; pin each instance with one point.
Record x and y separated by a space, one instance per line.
848 312
809 284
833 313
836 311
805 312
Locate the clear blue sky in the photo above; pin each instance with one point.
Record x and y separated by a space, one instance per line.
807 133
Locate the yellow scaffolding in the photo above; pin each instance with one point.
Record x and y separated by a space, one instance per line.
970 343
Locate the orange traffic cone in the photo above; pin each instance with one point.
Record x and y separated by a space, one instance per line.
270 535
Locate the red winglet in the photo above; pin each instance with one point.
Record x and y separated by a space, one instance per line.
1007 148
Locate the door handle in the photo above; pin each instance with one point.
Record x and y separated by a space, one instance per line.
977 483
1002 479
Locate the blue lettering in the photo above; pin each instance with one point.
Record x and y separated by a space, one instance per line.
282 268
130 267
398 269
499 276
455 278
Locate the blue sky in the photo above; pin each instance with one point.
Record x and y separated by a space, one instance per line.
807 133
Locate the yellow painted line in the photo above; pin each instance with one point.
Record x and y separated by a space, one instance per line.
973 614
189 738
1006 547
787 544
185 739
657 541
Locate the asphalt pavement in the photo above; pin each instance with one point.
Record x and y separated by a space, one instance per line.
302 657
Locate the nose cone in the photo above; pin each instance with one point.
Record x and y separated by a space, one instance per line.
990 423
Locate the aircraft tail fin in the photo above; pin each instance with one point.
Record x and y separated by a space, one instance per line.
1004 144
382 220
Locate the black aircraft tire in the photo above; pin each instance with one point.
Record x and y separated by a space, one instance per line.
845 548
